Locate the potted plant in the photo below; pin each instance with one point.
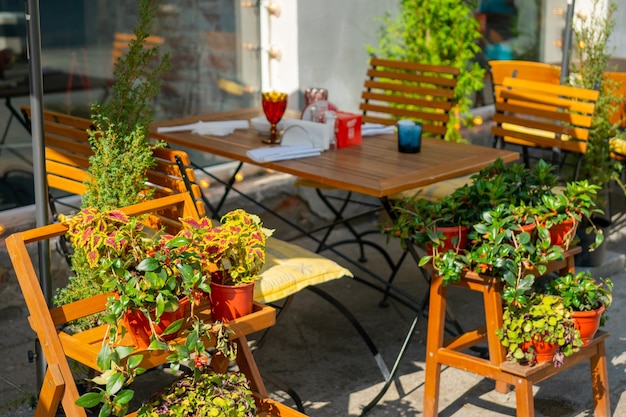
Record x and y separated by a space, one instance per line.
539 331
236 248
150 274
211 394
586 297
121 365
430 224
498 247
563 212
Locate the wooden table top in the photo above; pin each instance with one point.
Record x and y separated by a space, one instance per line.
374 168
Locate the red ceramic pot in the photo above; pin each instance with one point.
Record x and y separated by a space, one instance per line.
456 239
139 329
544 352
587 323
562 234
230 302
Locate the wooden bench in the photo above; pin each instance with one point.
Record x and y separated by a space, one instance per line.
535 114
441 352
59 386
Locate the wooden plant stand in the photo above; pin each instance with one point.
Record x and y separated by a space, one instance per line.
58 386
506 375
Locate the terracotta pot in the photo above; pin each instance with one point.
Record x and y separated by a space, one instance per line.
587 323
229 302
456 239
526 228
139 329
562 234
544 352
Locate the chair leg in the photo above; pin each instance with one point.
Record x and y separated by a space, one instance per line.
51 392
600 383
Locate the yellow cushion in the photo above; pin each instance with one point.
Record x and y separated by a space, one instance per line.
290 268
435 191
532 131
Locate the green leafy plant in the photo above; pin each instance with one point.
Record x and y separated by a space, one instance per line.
212 394
120 367
438 32
581 291
498 248
121 152
544 318
577 202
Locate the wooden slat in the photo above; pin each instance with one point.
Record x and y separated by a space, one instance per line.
543 115
415 66
398 89
525 70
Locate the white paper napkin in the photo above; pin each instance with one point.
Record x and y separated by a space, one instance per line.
371 129
221 128
281 153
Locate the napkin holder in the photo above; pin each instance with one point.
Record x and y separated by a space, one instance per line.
301 132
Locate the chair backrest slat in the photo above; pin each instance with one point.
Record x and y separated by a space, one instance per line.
396 90
544 115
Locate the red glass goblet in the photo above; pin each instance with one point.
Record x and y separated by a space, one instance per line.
274 105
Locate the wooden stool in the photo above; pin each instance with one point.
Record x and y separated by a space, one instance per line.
506 375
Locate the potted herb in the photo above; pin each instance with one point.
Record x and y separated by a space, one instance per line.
586 297
211 394
544 323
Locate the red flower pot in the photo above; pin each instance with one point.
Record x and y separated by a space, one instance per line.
587 323
562 234
230 302
138 326
544 352
456 239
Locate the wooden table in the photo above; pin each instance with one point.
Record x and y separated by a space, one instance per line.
374 168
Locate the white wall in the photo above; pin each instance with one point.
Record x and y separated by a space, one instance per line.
323 45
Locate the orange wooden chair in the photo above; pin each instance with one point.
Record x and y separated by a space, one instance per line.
543 115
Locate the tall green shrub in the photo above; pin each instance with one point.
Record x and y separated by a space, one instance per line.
122 154
438 32
592 56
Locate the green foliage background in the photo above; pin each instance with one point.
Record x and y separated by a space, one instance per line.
438 32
